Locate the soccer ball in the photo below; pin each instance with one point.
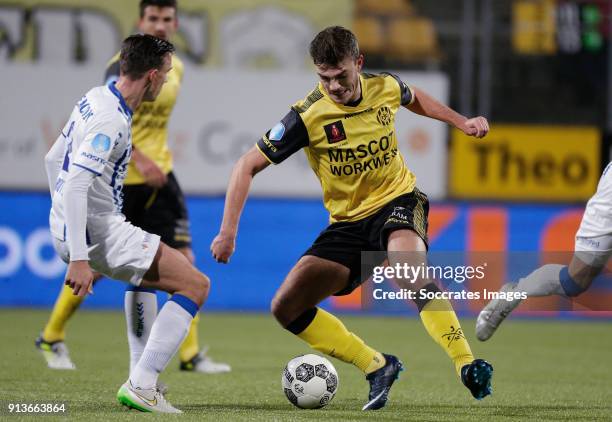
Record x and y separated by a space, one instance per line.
310 381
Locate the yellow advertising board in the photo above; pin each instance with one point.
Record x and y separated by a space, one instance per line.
524 162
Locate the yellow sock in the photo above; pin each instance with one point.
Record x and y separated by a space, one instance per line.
442 324
328 335
64 307
190 346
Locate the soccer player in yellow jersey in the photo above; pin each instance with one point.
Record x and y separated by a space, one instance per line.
153 201
346 128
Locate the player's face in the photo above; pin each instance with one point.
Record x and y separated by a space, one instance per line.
157 79
159 21
341 82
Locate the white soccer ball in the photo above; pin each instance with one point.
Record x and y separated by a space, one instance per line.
310 381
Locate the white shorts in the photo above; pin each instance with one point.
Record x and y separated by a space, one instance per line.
117 249
594 237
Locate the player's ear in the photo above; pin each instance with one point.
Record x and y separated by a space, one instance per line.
151 74
359 62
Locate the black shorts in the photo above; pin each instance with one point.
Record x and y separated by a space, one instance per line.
159 211
343 242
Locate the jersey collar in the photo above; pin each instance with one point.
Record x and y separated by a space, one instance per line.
115 91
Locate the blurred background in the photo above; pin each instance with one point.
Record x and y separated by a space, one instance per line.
537 69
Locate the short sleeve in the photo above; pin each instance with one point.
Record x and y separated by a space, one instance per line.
286 137
97 147
406 92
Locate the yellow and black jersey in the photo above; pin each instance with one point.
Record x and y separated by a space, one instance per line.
352 149
150 121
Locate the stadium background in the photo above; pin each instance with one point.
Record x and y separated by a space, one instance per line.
538 69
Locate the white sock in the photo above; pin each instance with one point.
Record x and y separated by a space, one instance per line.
544 281
168 332
140 313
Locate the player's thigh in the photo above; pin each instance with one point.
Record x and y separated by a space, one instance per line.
188 253
406 247
310 281
172 272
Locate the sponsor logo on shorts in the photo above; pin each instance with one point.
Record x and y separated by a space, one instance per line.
588 242
335 132
399 213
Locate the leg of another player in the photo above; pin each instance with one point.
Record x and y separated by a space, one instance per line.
550 279
312 280
437 315
170 272
564 280
51 341
192 359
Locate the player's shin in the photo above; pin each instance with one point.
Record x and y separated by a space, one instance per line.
140 306
167 334
443 327
327 334
65 305
544 281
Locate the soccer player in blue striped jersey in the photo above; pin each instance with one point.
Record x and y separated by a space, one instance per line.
86 167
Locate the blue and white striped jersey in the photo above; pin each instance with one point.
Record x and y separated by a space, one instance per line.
94 148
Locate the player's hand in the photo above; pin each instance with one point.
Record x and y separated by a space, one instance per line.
153 175
79 277
477 127
222 247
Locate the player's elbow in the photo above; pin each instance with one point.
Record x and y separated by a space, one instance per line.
252 162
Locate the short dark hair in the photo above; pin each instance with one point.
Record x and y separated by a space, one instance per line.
332 45
158 3
141 53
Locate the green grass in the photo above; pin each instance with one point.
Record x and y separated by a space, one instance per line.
543 371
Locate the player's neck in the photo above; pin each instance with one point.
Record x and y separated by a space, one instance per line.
356 98
131 91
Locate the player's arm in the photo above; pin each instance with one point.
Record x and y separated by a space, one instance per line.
88 162
245 169
279 143
428 106
418 101
53 162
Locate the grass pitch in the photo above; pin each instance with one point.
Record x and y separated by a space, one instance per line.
543 371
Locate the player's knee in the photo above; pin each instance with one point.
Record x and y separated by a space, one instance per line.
198 287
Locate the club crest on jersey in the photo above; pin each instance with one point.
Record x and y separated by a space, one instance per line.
335 132
384 116
277 132
101 143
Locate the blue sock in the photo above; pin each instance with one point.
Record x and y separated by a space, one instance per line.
569 285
